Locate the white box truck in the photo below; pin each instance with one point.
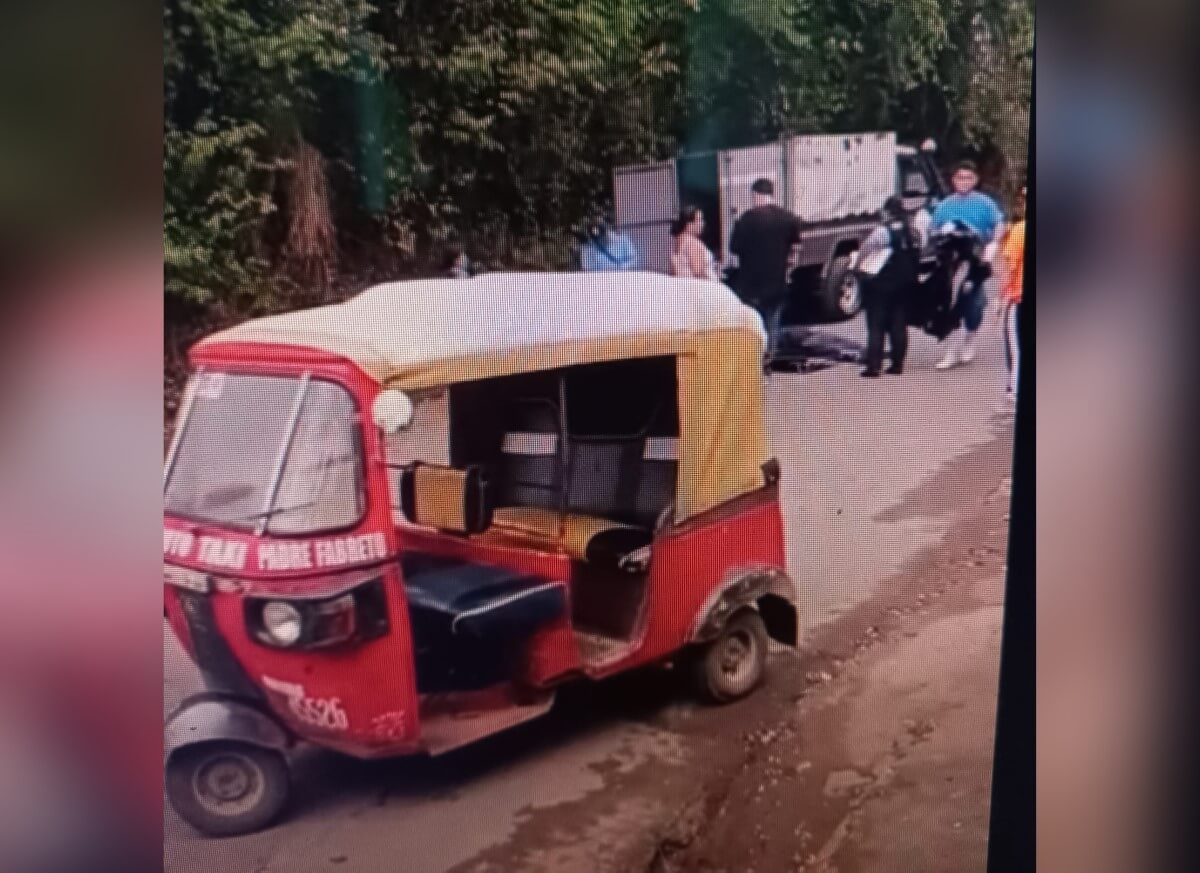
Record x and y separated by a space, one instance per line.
836 183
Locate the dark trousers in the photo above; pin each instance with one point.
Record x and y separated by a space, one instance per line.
885 317
771 311
769 302
1012 343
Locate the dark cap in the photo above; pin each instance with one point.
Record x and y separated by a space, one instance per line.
763 186
966 165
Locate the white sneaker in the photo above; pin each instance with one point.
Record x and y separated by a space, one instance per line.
948 360
966 352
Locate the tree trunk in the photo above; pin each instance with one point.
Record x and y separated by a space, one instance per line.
310 250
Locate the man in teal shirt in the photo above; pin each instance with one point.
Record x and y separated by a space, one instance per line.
980 213
606 250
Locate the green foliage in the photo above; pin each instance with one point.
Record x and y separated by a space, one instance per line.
214 201
519 109
996 79
242 87
499 121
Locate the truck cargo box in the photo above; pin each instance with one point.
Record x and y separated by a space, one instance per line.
833 177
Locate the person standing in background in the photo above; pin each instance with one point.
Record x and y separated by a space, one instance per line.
455 263
980 213
691 258
605 249
763 239
1012 260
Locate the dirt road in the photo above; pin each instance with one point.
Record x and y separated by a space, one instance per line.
868 751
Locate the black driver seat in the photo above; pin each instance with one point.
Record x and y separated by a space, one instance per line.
469 620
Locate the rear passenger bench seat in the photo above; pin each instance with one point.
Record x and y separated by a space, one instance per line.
633 479
599 541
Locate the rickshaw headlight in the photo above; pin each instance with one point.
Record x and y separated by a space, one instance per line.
282 622
358 614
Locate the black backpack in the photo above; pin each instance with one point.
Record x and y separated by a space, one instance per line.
903 241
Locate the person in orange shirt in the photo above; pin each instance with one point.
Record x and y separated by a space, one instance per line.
1012 255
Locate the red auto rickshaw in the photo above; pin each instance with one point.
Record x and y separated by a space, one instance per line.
395 525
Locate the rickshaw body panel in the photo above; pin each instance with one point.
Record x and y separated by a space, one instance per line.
362 698
359 698
692 563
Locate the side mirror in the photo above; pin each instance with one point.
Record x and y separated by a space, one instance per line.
392 410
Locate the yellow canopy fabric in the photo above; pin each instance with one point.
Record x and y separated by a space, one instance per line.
434 333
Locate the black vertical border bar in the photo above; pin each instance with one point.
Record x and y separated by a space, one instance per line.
1012 839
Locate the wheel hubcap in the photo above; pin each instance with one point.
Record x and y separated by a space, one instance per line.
228 784
735 655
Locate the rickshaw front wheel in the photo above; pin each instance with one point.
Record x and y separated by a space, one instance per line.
226 787
732 665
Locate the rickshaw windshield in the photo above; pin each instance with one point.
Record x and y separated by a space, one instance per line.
273 454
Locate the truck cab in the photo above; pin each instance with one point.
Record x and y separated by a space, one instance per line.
919 183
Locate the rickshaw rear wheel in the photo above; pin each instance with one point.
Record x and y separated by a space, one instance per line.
732 665
227 788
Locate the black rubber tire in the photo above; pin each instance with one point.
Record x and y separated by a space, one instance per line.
734 664
265 772
834 303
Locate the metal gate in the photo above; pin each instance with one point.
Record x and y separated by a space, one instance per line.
645 201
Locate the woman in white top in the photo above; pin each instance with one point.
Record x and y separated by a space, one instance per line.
691 258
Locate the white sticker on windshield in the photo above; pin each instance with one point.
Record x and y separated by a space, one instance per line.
210 385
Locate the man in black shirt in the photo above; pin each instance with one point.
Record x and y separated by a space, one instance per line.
762 239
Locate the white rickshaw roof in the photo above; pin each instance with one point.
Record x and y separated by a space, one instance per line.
403 333
435 333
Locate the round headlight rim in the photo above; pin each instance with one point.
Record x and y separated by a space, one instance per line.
269 630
